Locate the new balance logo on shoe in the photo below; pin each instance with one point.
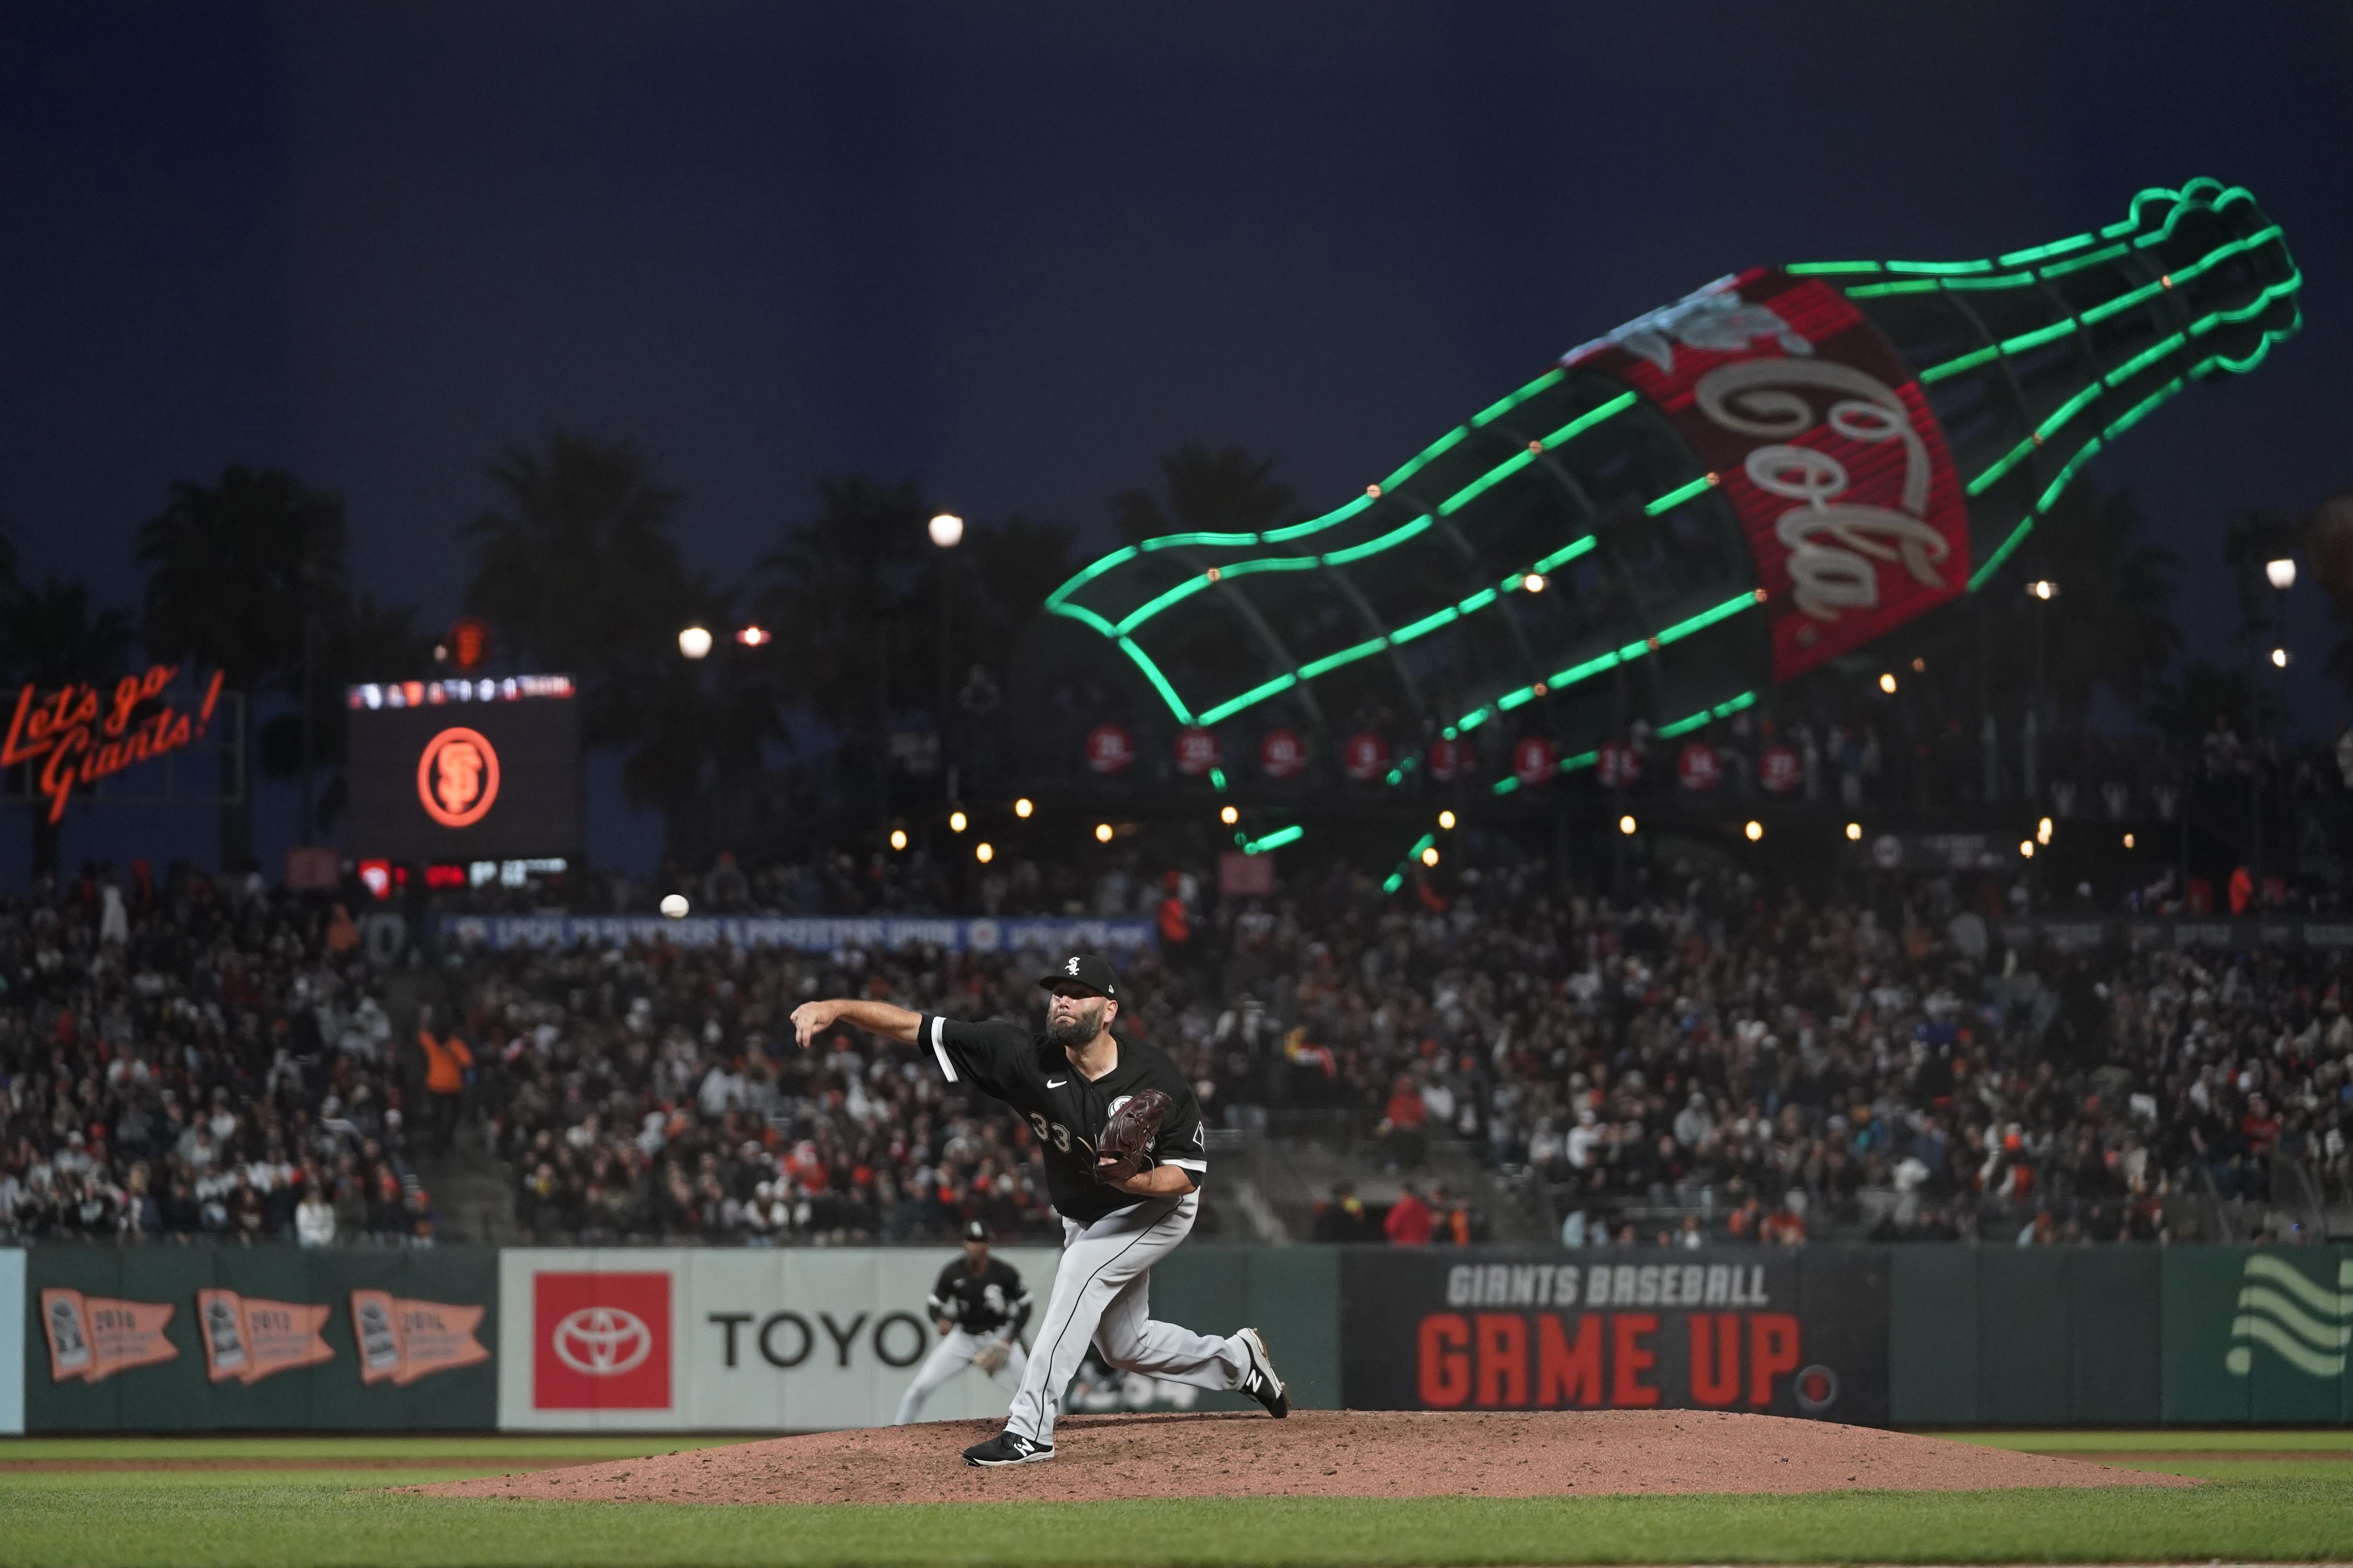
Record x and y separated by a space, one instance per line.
1008 1449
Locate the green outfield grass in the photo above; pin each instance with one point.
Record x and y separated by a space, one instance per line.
2273 1508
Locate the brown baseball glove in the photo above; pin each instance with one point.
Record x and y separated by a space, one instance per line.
1127 1137
993 1353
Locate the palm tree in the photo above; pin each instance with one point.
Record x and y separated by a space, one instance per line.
238 573
838 582
2112 624
1210 488
579 573
49 636
358 639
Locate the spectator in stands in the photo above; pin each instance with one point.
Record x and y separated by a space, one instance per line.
1410 1220
446 1060
314 1219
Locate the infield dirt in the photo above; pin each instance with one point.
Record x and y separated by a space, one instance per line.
1318 1453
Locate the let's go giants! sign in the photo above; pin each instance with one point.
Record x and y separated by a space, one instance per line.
1783 1332
81 733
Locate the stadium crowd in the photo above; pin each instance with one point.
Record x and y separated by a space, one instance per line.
190 1055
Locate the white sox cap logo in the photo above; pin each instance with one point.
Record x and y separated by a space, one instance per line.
603 1342
1074 966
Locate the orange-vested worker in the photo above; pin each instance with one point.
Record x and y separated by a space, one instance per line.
445 1062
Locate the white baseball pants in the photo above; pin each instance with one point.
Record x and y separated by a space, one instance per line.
956 1349
1102 1293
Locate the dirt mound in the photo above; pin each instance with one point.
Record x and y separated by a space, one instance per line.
1318 1453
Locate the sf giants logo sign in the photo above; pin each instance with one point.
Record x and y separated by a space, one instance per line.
458 777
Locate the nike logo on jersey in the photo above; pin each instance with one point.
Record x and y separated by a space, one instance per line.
1056 1082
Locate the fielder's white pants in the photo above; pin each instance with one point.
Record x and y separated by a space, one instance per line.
948 1358
1101 1292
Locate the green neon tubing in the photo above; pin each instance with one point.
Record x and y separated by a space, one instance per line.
1255 694
1275 840
1188 588
2181 201
1345 655
1088 573
1565 555
1723 710
2124 302
1582 760
1503 405
1676 498
2124 373
1159 682
1506 785
1591 667
1396 880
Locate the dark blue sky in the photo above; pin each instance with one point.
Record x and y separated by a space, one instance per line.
1019 252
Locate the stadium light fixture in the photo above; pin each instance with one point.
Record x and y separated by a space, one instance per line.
957 821
2280 657
946 530
1445 820
1103 832
1626 826
1229 815
1887 682
984 853
2128 840
1755 830
1534 583
2026 849
2281 574
898 839
2042 589
1430 855
674 906
1855 832
755 637
1022 808
2042 831
694 642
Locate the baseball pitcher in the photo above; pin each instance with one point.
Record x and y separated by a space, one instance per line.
1125 1155
979 1307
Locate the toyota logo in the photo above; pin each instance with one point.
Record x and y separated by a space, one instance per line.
603 1342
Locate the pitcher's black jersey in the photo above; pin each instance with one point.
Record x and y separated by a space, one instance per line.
1066 1112
980 1303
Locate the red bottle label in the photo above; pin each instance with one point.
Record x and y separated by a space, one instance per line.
1820 438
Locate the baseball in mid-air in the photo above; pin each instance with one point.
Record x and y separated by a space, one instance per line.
674 905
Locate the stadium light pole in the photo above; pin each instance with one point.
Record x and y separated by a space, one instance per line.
947 531
2043 591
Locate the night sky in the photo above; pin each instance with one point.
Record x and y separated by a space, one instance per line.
1016 253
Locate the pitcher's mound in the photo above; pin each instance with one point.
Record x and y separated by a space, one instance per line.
1318 1453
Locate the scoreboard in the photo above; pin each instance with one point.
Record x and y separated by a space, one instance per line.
465 770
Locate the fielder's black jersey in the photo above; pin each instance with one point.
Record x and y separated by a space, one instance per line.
1068 1112
980 1303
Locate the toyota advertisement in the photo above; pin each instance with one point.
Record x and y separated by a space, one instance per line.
671 1340
465 770
1784 1332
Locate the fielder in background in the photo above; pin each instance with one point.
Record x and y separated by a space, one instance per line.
980 1307
1125 1152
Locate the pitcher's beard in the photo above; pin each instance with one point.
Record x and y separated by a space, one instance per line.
1070 1033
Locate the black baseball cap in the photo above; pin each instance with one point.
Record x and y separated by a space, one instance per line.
976 1231
1082 969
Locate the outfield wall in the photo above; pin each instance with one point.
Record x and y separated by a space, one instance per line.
205 1339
